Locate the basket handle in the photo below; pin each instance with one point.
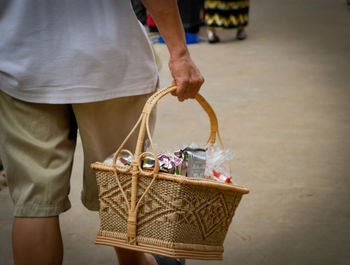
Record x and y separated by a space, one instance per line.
153 100
144 121
150 104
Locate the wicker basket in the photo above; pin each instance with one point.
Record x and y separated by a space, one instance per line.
164 214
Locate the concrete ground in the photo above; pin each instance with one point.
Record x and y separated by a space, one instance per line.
282 100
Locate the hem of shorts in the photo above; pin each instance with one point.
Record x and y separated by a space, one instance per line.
92 205
41 210
86 99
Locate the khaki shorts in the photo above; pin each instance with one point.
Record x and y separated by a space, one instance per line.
37 143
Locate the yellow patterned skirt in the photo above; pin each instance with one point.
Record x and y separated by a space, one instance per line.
226 14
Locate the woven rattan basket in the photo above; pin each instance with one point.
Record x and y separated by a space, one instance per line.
160 213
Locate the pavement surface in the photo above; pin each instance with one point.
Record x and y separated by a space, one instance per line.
282 99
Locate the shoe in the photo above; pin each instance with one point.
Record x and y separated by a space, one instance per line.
241 34
168 261
212 37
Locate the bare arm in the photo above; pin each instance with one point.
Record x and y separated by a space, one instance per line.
185 73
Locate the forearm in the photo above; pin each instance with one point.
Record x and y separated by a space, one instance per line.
185 73
166 15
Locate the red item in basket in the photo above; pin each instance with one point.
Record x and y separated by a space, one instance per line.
220 177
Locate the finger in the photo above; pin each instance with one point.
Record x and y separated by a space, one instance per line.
197 85
194 93
180 99
192 89
182 89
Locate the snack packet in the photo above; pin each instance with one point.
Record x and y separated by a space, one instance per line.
191 161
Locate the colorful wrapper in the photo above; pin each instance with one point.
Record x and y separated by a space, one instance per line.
148 162
168 164
218 176
124 160
189 162
180 168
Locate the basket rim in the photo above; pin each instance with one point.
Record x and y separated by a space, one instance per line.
178 178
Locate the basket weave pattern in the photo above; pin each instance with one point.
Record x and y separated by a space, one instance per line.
160 213
171 212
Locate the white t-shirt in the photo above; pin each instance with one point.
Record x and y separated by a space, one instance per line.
73 51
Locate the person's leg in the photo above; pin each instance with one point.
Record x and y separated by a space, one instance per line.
37 241
129 257
241 33
103 126
212 36
212 20
37 146
242 20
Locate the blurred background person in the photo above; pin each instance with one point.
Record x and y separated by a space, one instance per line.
140 11
190 14
226 14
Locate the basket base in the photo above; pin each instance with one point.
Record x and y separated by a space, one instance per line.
171 253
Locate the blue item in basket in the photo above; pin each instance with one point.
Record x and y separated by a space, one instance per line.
190 38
